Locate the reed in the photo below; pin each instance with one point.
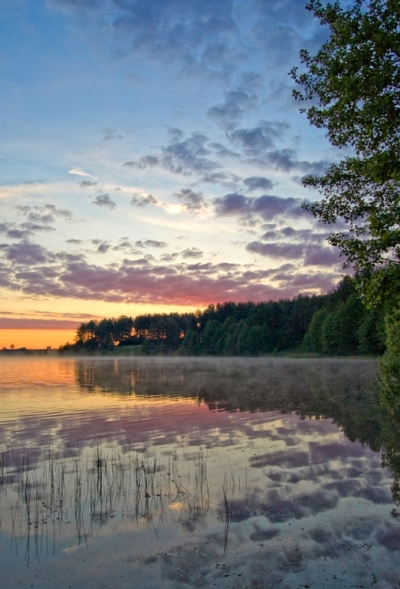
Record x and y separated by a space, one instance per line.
39 495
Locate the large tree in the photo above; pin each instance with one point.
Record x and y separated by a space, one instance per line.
353 82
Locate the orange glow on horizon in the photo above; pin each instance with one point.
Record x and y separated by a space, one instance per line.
35 338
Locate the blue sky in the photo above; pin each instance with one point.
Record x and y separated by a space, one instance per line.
151 157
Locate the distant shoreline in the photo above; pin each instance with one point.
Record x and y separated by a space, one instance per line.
135 352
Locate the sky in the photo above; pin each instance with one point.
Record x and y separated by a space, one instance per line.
151 159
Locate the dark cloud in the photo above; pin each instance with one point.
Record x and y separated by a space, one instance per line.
28 323
13 232
258 183
34 227
74 241
232 204
151 243
138 200
258 145
24 230
260 138
38 218
125 246
265 206
200 36
86 183
310 254
188 155
226 179
223 151
285 160
104 200
146 161
26 253
228 113
44 214
317 256
110 134
250 80
195 34
138 281
292 251
192 201
181 155
302 235
192 252
102 246
77 5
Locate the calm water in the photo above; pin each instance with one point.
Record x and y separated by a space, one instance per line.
185 473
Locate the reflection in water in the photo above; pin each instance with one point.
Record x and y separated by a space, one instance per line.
89 488
194 473
341 390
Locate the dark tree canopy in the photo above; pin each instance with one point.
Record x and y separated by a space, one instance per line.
353 82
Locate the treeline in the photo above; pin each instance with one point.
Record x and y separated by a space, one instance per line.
336 323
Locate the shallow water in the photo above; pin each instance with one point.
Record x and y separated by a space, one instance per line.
183 473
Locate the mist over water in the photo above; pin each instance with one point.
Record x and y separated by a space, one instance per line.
189 473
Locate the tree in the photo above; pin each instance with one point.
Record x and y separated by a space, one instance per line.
313 338
354 83
389 373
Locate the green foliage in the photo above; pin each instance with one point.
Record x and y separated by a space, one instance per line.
389 365
354 83
335 323
340 328
371 333
312 341
344 326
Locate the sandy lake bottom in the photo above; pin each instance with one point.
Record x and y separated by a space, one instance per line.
180 473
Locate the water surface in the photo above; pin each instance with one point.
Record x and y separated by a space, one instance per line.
187 473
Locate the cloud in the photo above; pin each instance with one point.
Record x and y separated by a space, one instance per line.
151 243
181 155
188 156
310 254
74 241
104 200
146 161
28 323
195 34
228 113
110 134
317 256
140 200
44 214
28 228
226 179
192 201
79 172
258 183
302 235
27 253
86 183
222 151
260 138
286 161
258 145
266 206
102 246
76 5
192 252
34 227
35 271
13 232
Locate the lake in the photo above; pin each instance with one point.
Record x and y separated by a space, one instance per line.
182 473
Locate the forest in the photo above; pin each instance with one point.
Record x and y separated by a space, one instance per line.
333 324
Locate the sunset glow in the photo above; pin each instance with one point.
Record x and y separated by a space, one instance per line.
153 164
